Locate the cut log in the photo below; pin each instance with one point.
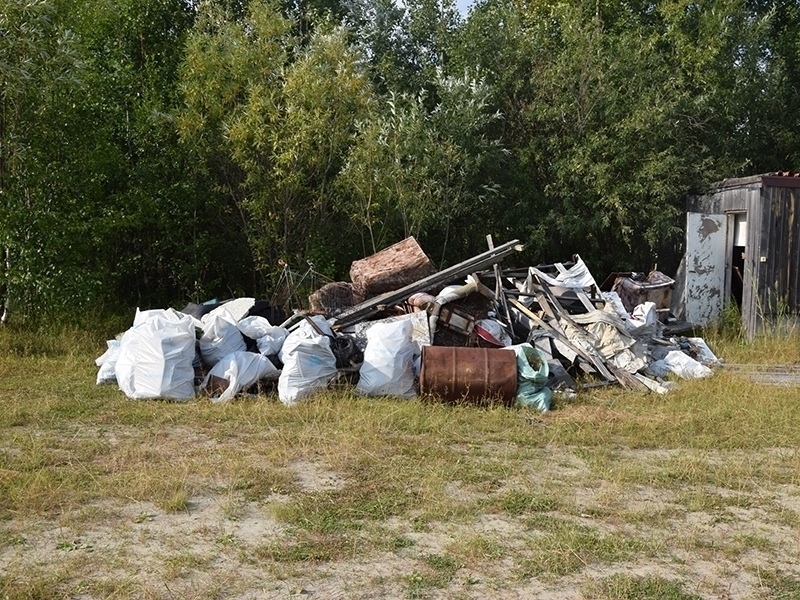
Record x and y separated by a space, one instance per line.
390 269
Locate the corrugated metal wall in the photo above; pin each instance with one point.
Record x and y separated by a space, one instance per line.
778 281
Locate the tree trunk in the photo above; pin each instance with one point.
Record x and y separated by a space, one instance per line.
391 268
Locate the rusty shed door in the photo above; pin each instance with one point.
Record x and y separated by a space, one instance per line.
706 241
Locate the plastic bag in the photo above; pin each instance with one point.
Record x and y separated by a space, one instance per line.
658 368
220 338
704 353
155 359
108 363
532 374
388 368
269 338
241 370
308 363
142 316
169 314
164 360
685 366
126 361
320 323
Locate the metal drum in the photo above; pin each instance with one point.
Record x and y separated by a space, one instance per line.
471 375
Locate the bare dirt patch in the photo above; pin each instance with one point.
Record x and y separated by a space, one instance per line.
716 542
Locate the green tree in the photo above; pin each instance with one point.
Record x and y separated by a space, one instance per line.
414 169
407 44
39 68
613 112
273 121
161 236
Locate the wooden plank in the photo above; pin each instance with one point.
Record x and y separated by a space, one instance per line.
532 315
556 305
584 298
651 384
627 380
607 370
549 312
499 293
554 311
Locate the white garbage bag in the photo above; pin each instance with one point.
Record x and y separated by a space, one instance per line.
126 361
164 360
704 353
155 359
220 338
308 363
169 314
269 338
388 368
682 365
108 363
241 370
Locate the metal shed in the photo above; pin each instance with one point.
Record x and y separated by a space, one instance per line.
743 246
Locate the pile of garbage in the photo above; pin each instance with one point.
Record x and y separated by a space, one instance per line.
470 333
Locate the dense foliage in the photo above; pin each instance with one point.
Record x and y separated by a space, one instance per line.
161 151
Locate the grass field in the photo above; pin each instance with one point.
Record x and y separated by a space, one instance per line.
612 495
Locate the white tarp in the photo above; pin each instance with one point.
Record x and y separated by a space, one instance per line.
576 277
605 332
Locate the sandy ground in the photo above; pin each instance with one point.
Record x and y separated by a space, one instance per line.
125 549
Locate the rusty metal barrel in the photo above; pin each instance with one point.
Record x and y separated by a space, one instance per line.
469 375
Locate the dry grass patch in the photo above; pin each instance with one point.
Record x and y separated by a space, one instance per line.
625 587
399 497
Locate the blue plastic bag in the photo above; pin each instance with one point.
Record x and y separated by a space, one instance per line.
532 374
